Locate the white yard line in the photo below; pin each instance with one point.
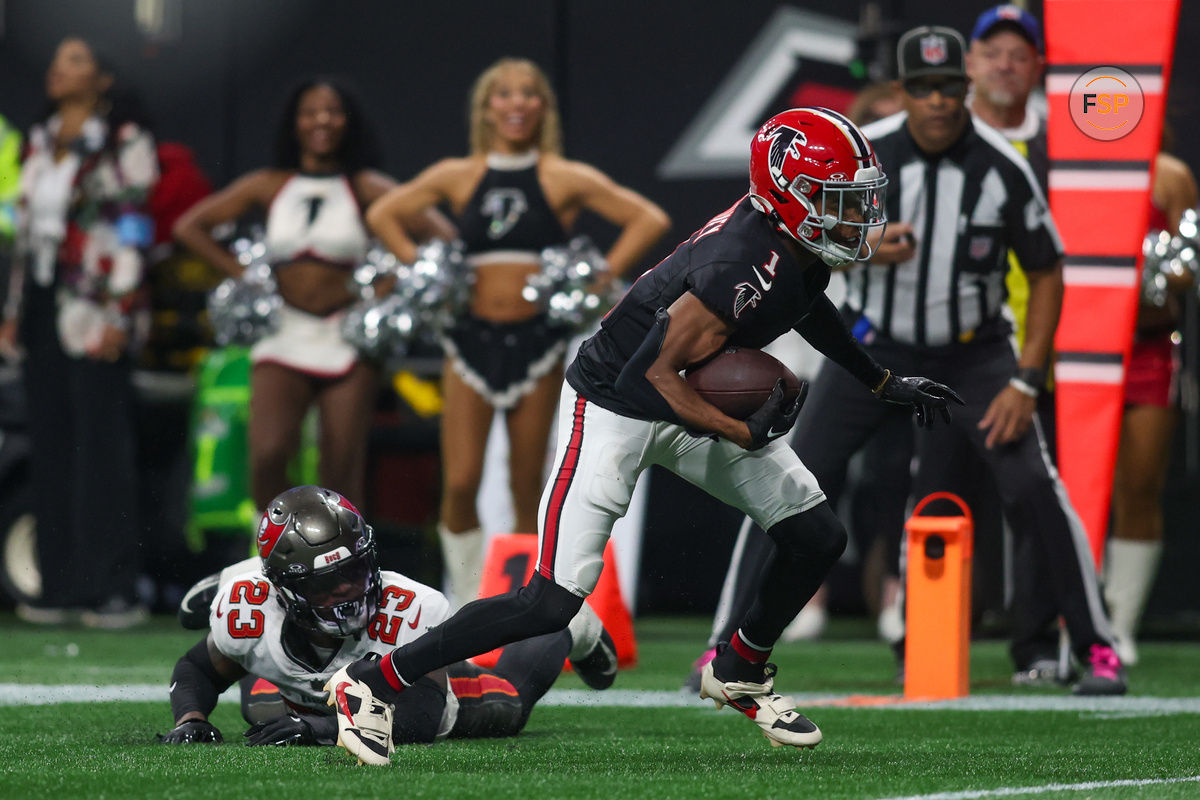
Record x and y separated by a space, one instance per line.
1020 791
24 694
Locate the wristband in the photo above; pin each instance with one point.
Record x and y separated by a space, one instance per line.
887 375
1032 376
1023 387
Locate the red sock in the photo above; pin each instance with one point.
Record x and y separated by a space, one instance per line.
748 651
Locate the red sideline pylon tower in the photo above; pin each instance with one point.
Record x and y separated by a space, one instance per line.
1100 199
509 564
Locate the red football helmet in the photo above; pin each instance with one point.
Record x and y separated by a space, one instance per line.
816 176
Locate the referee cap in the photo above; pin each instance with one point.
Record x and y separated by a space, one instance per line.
931 50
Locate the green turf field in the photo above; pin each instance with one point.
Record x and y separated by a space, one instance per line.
654 743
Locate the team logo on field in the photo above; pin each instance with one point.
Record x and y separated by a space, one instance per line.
933 49
746 296
785 143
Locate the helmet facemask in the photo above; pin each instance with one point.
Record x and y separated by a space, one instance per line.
320 554
339 601
845 219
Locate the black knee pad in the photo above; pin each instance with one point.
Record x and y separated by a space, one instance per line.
816 532
546 606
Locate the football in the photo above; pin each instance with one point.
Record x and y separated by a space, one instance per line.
739 380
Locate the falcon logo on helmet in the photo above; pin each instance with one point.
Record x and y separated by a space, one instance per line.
785 142
815 176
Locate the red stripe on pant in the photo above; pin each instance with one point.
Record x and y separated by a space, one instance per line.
484 684
558 496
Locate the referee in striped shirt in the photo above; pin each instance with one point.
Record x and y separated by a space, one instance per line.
932 302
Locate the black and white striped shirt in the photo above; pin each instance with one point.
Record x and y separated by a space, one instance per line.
968 206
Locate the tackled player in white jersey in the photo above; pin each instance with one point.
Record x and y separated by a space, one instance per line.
314 601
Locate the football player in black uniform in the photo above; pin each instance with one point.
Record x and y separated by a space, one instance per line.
749 275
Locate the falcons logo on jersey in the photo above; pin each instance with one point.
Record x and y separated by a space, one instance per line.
745 296
785 142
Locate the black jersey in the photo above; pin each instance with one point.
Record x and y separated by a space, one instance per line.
509 212
737 265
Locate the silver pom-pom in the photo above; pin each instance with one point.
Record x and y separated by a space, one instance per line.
564 287
244 310
1167 257
382 330
437 285
379 263
427 297
1156 249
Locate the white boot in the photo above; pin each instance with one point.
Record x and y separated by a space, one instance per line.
462 554
1129 576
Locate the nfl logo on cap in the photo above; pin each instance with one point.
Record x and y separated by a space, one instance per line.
933 49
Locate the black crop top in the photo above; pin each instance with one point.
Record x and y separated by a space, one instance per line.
509 212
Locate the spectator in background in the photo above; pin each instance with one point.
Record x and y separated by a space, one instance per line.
323 176
874 102
1146 427
79 267
513 195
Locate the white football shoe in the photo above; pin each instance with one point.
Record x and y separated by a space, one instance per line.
364 723
774 714
593 652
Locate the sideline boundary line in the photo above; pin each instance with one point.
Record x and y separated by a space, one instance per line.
25 694
1018 791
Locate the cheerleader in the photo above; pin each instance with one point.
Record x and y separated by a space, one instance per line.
513 195
313 196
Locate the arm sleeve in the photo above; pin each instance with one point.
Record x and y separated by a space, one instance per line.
824 328
195 683
632 383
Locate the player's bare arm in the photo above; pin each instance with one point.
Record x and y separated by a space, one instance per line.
1010 413
695 333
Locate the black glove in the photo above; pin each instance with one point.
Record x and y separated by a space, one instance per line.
776 416
924 395
287 729
193 731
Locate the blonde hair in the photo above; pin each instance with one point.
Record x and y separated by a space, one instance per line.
549 138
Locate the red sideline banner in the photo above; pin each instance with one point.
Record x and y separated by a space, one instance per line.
1108 66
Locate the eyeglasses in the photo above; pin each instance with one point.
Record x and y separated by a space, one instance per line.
954 88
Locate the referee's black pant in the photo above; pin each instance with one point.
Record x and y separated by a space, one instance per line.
840 415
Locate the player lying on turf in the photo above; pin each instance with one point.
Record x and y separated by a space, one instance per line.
318 601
